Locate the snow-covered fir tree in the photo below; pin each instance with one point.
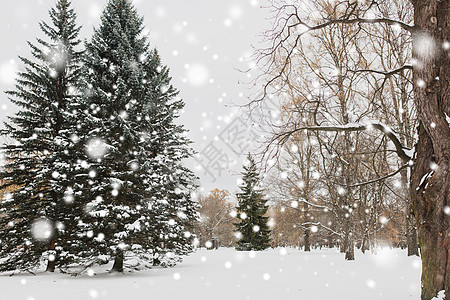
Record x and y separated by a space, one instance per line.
33 214
129 185
252 230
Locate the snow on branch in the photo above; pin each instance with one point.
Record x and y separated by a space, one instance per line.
321 225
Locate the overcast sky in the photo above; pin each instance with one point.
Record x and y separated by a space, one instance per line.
203 42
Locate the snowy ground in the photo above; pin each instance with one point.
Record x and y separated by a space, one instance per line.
280 274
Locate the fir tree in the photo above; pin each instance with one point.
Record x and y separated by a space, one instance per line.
32 215
252 230
129 184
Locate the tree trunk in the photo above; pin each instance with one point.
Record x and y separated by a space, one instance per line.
411 234
51 264
432 223
430 182
349 245
330 240
410 222
307 242
365 243
344 243
306 217
118 262
350 251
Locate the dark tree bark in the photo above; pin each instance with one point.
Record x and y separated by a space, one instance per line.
330 240
350 252
51 264
349 245
410 222
430 176
118 262
307 242
306 219
430 182
411 233
365 243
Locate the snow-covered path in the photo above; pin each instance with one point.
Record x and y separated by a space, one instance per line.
279 274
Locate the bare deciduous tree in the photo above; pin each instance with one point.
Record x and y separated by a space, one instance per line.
294 23
216 221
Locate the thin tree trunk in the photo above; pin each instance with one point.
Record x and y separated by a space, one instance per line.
349 245
118 262
344 242
330 240
306 219
307 242
411 234
51 264
365 243
350 251
410 222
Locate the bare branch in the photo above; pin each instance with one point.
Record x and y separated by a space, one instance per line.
387 74
399 149
380 178
323 226
405 26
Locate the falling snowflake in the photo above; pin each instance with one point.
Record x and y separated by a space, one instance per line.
42 229
93 293
371 284
424 46
236 12
160 12
421 83
197 75
8 72
95 10
96 148
447 210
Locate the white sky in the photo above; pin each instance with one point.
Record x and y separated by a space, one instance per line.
203 42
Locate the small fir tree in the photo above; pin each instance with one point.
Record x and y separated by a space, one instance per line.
129 184
33 213
252 229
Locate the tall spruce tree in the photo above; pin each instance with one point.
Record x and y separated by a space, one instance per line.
128 182
252 229
32 215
